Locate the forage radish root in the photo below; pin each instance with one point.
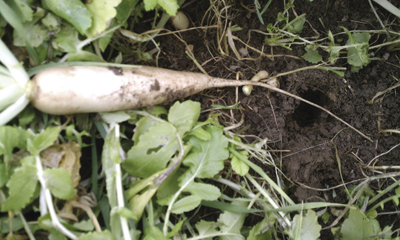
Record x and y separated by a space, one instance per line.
81 89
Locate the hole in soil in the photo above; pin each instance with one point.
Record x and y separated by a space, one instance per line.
305 114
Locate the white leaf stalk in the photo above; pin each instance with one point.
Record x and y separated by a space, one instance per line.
12 85
46 195
120 196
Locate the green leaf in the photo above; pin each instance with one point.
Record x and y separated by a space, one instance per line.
169 187
186 204
257 232
82 55
102 12
232 222
358 56
312 54
200 133
176 228
51 22
22 9
238 165
153 233
5 225
205 228
308 226
21 185
3 175
59 182
153 151
124 9
126 213
26 116
356 226
297 25
66 39
184 115
73 11
42 141
170 6
205 191
104 235
10 138
207 157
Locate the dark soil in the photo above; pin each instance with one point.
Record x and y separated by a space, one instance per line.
316 141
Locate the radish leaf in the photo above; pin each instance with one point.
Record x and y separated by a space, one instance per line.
186 204
232 222
73 11
204 191
21 185
184 115
42 141
153 151
58 180
102 12
207 157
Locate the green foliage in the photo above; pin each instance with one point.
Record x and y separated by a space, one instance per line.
170 6
357 55
59 181
312 54
21 186
305 226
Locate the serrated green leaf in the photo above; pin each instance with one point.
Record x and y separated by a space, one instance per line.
205 228
238 165
356 226
312 55
257 232
42 141
10 138
153 151
358 56
207 157
66 39
51 22
232 222
102 12
170 6
200 133
204 191
186 204
104 235
84 225
73 11
184 115
59 182
297 26
21 185
308 224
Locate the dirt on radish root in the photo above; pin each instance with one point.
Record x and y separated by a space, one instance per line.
311 136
